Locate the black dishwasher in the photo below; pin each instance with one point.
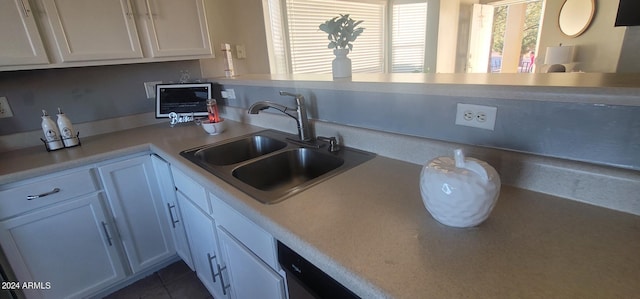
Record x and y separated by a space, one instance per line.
307 281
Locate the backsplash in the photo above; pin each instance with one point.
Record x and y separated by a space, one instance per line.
596 133
85 94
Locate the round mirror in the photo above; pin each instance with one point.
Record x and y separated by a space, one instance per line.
575 16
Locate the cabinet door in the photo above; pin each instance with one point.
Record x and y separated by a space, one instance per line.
138 210
176 28
21 43
163 173
246 269
203 243
86 30
67 247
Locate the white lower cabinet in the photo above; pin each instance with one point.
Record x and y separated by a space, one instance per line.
138 211
233 257
22 44
203 243
249 276
70 239
250 254
69 249
172 209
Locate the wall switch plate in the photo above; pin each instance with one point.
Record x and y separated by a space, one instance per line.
229 94
477 116
241 51
150 88
5 110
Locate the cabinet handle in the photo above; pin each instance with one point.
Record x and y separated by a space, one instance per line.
150 13
25 10
210 258
106 233
129 11
55 190
173 220
224 287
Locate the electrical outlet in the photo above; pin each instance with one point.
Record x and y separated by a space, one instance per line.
5 110
229 94
477 116
150 88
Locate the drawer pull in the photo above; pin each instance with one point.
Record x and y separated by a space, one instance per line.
55 190
210 258
224 287
173 220
25 9
106 233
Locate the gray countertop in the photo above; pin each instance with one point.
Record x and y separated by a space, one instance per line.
368 228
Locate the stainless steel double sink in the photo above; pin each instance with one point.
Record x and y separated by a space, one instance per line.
271 166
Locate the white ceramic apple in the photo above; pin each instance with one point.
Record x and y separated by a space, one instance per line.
459 192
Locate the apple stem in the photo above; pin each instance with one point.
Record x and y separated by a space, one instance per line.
458 155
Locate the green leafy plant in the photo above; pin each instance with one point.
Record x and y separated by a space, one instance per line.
342 31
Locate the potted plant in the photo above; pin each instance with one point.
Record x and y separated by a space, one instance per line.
341 32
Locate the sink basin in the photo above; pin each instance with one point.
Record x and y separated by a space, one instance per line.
272 166
239 150
287 169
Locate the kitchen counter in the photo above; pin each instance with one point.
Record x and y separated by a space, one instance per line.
368 228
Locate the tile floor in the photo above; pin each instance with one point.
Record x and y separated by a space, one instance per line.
175 281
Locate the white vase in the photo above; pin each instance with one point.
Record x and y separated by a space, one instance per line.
341 65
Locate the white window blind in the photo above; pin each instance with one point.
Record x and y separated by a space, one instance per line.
308 44
409 28
276 27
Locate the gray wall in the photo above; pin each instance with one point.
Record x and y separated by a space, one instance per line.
601 134
85 94
595 133
597 49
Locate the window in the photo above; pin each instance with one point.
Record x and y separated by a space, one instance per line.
408 37
297 45
514 36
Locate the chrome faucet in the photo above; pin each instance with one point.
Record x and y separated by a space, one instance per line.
304 133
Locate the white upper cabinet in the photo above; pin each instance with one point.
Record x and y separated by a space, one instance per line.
175 28
21 43
74 33
86 30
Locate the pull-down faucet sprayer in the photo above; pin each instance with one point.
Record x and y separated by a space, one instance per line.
300 115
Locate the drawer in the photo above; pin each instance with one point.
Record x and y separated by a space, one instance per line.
260 242
50 189
192 190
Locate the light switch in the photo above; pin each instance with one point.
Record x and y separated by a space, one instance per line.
150 88
5 110
241 52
